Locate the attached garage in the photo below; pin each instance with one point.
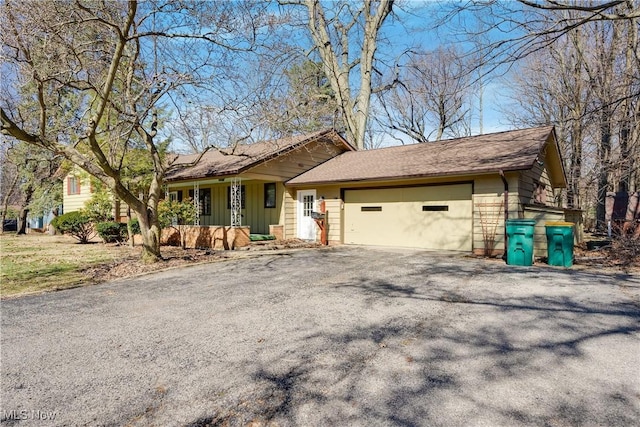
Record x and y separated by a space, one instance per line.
446 195
429 217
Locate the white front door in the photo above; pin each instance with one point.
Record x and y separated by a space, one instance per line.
306 224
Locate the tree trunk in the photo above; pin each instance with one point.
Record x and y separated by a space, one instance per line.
147 218
24 211
130 234
5 200
573 192
52 230
337 65
22 221
604 156
150 230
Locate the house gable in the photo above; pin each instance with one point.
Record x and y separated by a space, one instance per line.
258 170
281 159
526 162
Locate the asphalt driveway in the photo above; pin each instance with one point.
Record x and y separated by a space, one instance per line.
339 336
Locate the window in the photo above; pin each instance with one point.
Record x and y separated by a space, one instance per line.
204 200
176 196
307 205
371 209
73 185
435 208
242 197
270 195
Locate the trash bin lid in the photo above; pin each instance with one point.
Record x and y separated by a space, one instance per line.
520 221
558 224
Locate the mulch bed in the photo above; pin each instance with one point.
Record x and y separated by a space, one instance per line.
130 265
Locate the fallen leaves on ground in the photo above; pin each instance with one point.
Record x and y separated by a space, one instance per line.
130 265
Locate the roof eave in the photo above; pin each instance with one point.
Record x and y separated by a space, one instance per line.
488 171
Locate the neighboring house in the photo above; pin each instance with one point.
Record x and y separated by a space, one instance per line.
77 189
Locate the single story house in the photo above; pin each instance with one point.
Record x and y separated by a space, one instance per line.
446 195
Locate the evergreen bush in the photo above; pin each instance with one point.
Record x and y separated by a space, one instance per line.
77 224
112 232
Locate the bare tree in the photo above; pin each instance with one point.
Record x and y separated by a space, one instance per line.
433 98
9 178
98 71
585 83
345 37
550 87
31 182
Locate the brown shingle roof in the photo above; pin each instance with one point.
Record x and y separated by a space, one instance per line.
507 151
227 162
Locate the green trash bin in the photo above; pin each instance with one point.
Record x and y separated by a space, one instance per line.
560 243
520 241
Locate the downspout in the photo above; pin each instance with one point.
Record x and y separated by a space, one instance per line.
506 210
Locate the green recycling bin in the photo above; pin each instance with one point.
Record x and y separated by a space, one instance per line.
520 241
560 243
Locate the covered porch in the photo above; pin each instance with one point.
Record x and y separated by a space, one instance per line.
237 201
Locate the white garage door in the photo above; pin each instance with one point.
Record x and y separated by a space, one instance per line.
429 217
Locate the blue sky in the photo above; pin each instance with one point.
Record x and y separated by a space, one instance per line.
421 24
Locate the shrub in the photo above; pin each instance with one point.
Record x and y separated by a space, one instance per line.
177 215
100 207
135 226
112 232
76 224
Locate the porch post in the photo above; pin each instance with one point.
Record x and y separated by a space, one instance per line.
236 202
196 202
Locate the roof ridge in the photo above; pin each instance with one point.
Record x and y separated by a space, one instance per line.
462 138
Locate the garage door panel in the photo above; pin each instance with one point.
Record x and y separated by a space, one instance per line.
431 217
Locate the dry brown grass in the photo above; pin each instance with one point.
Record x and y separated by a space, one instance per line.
39 262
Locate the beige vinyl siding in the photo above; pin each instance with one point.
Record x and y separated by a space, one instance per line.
293 164
488 197
488 210
542 215
75 202
333 207
290 211
527 185
334 212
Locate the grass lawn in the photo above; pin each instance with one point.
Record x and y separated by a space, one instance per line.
37 262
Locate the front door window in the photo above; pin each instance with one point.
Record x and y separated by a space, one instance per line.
306 224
